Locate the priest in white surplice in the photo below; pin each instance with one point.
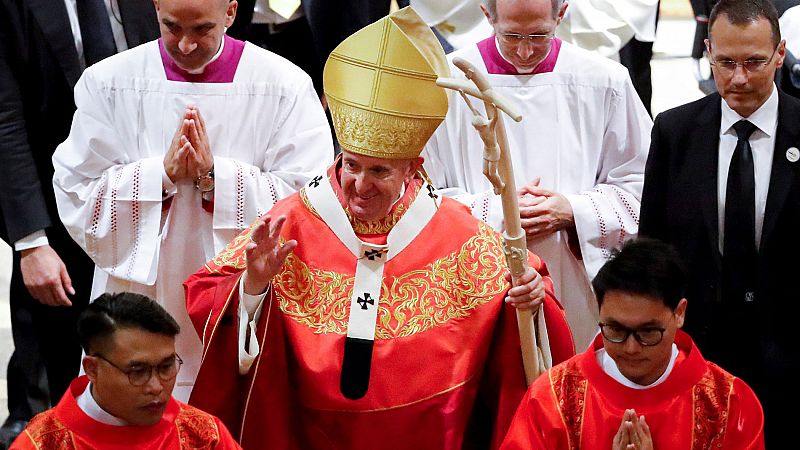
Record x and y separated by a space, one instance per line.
176 146
578 155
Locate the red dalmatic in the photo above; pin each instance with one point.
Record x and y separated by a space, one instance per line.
576 405
67 427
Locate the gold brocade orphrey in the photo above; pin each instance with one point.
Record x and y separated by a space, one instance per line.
445 289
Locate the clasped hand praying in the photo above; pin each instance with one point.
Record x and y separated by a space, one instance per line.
189 155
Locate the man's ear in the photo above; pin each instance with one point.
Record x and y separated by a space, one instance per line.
781 54
486 13
680 312
413 167
561 12
230 14
90 367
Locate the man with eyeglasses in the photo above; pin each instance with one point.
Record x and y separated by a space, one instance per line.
643 384
125 398
578 155
723 185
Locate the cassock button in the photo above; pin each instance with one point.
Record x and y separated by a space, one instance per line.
793 154
749 296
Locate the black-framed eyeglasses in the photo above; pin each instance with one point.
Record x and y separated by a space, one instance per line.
139 375
647 336
516 38
728 67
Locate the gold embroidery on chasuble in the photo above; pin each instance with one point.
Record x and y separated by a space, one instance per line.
711 403
569 389
445 289
233 254
47 432
196 429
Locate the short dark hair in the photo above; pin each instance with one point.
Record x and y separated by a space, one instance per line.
643 266
491 6
742 12
111 312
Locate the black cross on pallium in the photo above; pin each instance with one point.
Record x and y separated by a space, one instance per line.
372 254
363 301
315 181
431 194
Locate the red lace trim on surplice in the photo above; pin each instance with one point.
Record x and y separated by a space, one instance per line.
569 388
711 403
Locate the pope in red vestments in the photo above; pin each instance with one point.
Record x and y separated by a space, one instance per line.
372 312
67 427
622 392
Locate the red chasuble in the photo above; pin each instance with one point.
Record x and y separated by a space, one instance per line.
446 370
67 427
576 405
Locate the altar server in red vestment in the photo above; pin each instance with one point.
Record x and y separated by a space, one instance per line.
125 399
643 384
366 311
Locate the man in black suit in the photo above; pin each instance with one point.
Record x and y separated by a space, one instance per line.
722 184
41 59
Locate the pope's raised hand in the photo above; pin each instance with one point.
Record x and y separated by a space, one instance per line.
528 291
265 254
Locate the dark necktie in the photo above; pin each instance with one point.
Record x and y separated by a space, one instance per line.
739 248
98 39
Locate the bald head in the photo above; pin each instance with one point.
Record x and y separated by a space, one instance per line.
192 30
491 6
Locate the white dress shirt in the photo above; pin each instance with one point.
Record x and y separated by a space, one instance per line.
114 16
762 143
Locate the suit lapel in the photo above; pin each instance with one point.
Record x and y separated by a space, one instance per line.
139 21
706 144
780 180
54 23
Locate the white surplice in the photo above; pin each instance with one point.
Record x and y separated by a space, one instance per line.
267 132
586 134
604 26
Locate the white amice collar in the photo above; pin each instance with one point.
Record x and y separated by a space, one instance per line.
611 369
89 406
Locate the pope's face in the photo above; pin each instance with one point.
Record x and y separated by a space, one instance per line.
745 90
192 29
372 185
524 17
639 363
132 349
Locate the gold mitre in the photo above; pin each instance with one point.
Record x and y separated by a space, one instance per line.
381 87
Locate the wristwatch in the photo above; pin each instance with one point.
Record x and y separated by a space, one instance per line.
205 183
